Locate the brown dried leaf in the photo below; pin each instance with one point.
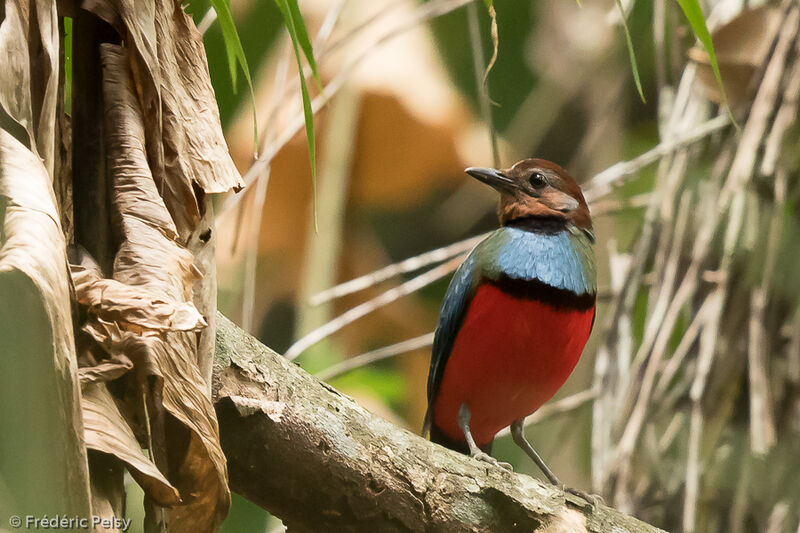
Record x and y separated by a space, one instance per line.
39 377
202 475
192 131
108 370
29 48
184 136
203 246
185 145
108 489
150 260
117 341
45 73
107 432
199 473
114 301
15 80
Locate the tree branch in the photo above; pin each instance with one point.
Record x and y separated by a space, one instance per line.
319 461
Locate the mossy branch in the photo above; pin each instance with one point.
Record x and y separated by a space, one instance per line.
319 461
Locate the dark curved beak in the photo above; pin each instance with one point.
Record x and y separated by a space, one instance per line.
492 177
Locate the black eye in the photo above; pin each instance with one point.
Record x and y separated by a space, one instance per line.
537 180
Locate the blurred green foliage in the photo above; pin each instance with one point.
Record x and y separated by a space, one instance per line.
511 79
245 517
258 27
293 20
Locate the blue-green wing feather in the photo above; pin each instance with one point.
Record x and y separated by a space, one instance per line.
456 301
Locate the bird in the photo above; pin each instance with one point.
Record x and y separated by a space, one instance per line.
516 315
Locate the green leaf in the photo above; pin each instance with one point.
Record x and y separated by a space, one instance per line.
233 46
303 40
693 13
291 26
235 53
631 53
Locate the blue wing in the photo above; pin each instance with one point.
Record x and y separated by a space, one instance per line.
456 300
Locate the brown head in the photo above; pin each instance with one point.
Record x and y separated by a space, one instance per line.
536 189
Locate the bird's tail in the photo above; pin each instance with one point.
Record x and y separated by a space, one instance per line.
426 424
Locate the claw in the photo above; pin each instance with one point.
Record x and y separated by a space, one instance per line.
475 451
486 458
592 499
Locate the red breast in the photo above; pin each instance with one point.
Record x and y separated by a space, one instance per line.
510 356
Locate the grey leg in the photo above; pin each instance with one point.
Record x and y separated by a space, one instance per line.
519 439
476 453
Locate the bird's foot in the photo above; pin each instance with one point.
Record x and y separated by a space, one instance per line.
593 500
486 458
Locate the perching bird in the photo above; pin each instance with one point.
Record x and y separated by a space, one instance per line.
517 313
